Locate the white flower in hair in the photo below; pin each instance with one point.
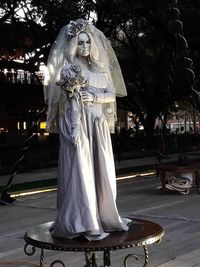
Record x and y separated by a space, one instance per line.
74 27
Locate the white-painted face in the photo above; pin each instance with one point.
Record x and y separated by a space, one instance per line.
83 47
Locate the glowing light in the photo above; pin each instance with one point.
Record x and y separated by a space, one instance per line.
19 60
46 190
33 192
140 34
136 175
43 125
18 125
24 125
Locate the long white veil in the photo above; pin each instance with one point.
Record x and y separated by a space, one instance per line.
63 50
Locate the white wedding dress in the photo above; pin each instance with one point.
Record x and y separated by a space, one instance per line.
86 199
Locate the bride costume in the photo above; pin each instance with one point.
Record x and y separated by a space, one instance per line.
86 198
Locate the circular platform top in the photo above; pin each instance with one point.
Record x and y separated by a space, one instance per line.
140 233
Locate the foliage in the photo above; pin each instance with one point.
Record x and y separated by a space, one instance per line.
143 34
32 25
145 43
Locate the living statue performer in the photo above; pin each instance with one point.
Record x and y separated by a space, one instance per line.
82 82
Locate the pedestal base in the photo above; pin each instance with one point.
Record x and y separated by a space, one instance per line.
141 234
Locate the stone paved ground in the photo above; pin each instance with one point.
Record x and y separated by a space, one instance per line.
179 216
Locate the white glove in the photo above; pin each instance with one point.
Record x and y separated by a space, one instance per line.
75 133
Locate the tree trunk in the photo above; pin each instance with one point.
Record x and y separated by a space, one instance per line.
149 123
194 120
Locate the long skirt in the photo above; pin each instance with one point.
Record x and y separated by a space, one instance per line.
86 198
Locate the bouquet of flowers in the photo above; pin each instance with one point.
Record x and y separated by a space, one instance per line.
71 80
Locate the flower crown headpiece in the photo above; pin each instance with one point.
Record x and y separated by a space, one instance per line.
74 27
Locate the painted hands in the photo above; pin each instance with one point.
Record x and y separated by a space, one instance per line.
87 96
74 135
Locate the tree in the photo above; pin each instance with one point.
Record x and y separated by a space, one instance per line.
33 24
144 35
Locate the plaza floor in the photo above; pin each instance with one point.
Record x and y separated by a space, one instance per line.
179 215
